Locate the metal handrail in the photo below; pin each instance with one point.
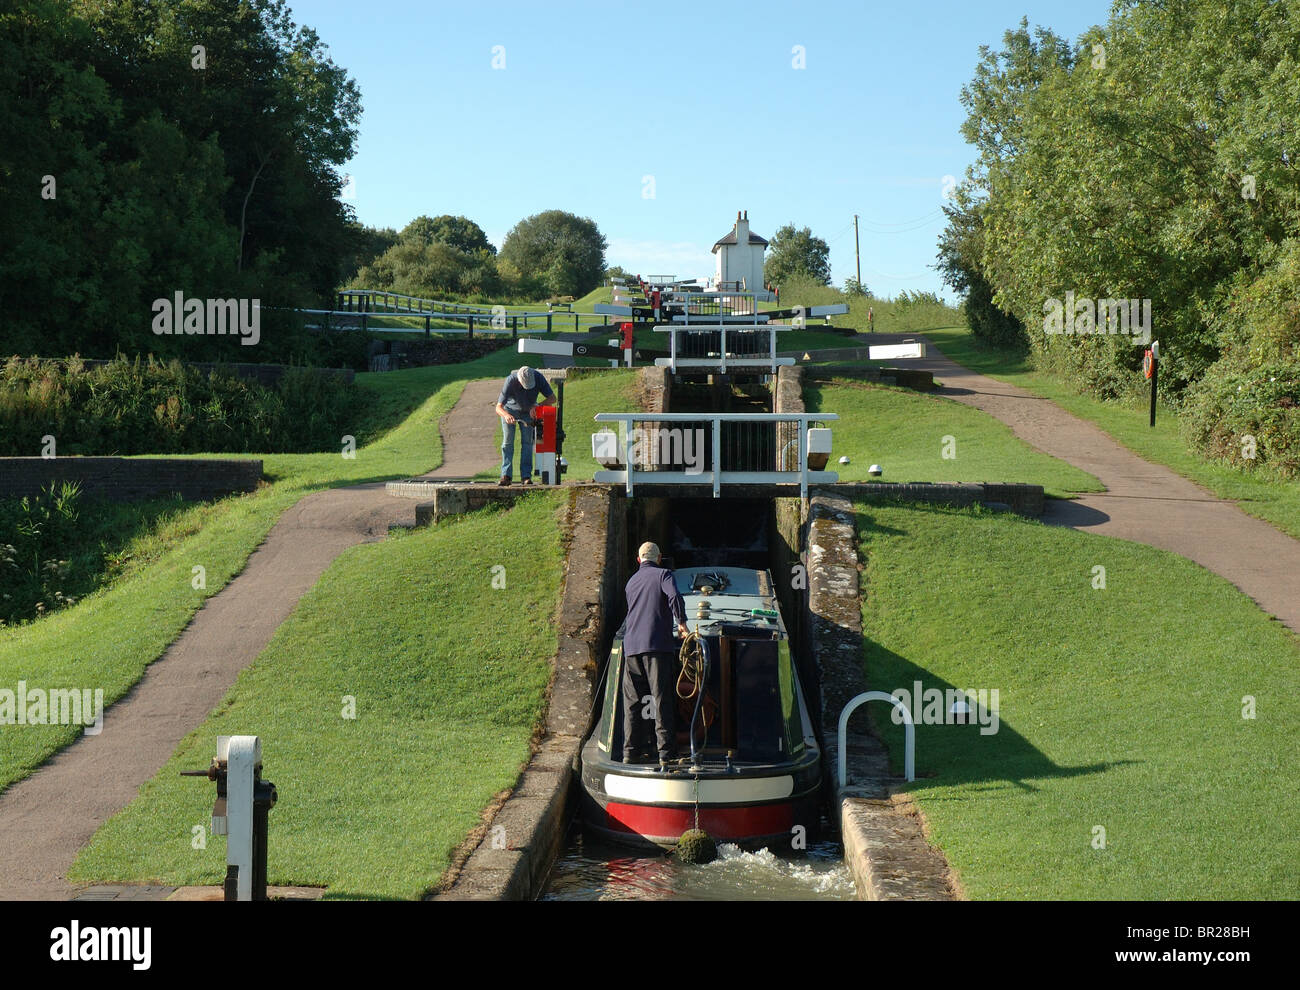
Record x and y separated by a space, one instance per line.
688 417
909 744
447 310
725 303
716 476
770 361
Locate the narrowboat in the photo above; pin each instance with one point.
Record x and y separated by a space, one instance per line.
750 767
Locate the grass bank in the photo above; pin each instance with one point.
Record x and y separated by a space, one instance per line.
910 435
446 672
1122 710
108 638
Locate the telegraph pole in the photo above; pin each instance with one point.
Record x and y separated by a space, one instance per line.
857 258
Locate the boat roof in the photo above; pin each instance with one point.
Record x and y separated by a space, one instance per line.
735 592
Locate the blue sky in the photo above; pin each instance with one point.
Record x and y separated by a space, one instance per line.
703 97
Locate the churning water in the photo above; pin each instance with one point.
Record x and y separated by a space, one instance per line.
594 871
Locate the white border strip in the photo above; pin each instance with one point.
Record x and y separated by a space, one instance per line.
666 790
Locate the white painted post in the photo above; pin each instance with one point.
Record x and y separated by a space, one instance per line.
717 456
243 754
627 452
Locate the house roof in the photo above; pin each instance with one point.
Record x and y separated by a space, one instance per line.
731 239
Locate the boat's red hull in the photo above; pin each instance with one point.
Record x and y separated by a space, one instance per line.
767 823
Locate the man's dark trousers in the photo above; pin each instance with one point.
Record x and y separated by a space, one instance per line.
648 674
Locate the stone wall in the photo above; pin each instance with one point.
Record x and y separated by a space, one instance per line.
1025 500
128 478
440 499
884 839
788 394
655 386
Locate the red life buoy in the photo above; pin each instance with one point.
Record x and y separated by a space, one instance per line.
1148 364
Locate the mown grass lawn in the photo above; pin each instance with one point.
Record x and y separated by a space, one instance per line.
108 638
1120 709
448 674
584 397
904 432
1260 494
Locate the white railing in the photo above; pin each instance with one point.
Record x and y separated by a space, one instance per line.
712 305
748 361
909 742
626 446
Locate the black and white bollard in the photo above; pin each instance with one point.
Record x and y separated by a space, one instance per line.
243 803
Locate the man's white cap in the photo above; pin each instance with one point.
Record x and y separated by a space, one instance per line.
525 376
648 551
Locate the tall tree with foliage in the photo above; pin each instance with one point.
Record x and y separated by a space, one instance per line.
191 147
960 258
1156 159
563 253
435 257
797 254
460 233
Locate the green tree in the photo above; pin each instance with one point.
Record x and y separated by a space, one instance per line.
460 233
431 270
209 172
796 252
368 244
960 254
1120 168
564 253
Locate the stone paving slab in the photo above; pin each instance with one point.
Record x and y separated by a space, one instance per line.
124 892
272 893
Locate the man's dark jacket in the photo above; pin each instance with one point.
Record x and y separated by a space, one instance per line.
654 608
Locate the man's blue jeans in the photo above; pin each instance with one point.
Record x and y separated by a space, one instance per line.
525 448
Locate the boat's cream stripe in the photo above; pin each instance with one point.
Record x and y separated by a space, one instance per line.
656 790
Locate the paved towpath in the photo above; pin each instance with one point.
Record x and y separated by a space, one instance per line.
47 817
1143 502
471 436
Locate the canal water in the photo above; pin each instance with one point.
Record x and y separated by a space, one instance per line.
594 871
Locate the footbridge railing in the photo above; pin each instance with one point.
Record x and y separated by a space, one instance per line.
714 449
723 347
364 304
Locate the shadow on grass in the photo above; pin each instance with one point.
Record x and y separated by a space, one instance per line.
813 394
984 752
955 754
